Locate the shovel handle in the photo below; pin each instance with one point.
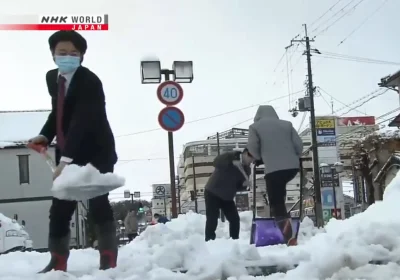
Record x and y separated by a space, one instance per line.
41 149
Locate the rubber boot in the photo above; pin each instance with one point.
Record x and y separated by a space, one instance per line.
286 227
108 245
59 250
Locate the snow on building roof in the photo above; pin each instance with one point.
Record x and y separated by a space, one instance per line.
17 127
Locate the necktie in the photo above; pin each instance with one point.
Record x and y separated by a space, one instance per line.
60 111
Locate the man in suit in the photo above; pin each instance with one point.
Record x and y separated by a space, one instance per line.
79 122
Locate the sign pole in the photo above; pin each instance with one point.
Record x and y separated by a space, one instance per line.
170 119
171 164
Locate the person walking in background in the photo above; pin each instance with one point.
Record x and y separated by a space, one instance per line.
131 225
277 145
230 176
160 218
79 121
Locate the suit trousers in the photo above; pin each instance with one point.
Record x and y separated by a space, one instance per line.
61 211
276 188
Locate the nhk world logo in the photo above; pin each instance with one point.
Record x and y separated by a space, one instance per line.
55 22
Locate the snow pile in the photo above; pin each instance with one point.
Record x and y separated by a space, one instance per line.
9 221
342 250
8 144
84 182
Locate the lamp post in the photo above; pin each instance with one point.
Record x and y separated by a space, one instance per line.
128 194
182 72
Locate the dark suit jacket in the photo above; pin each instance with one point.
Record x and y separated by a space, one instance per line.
88 135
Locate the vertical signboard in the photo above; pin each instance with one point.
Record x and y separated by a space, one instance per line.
328 153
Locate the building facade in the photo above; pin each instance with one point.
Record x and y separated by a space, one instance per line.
26 179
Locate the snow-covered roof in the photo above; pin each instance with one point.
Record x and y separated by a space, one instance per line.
17 127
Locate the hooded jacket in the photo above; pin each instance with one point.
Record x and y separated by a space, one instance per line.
274 141
131 223
229 176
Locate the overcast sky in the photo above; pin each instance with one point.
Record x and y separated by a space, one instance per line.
235 46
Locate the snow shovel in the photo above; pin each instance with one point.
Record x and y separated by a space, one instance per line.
265 231
73 190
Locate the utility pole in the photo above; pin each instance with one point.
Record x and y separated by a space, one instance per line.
317 179
179 194
218 153
196 207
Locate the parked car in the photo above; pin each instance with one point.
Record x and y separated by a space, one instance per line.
28 241
11 236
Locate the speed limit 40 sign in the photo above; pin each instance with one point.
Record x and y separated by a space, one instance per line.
170 93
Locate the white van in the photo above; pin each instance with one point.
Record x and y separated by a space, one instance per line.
28 243
11 237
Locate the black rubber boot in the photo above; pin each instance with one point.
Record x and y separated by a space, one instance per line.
108 245
59 250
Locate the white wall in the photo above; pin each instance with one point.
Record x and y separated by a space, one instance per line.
40 175
31 202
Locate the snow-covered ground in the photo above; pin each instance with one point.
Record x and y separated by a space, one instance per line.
341 251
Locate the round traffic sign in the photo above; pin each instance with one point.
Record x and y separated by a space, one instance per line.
171 119
160 190
170 93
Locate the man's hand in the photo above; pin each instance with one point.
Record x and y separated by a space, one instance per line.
59 169
39 140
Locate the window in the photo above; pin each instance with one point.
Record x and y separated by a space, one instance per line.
23 163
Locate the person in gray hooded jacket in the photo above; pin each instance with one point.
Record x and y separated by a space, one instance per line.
278 145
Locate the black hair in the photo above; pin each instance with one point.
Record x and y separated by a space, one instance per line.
156 215
68 36
245 150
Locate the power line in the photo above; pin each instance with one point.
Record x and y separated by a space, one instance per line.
358 100
338 19
369 99
363 22
249 119
326 12
337 100
338 56
206 118
373 93
333 16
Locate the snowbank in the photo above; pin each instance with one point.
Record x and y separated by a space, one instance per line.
7 144
342 250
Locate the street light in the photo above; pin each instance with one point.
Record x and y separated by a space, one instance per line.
182 72
150 72
325 168
339 167
128 194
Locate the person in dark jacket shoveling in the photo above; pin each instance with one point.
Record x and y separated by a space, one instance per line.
277 144
230 176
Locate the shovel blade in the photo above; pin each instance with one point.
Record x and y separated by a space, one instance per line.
84 192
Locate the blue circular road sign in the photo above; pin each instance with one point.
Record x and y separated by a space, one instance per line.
171 119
